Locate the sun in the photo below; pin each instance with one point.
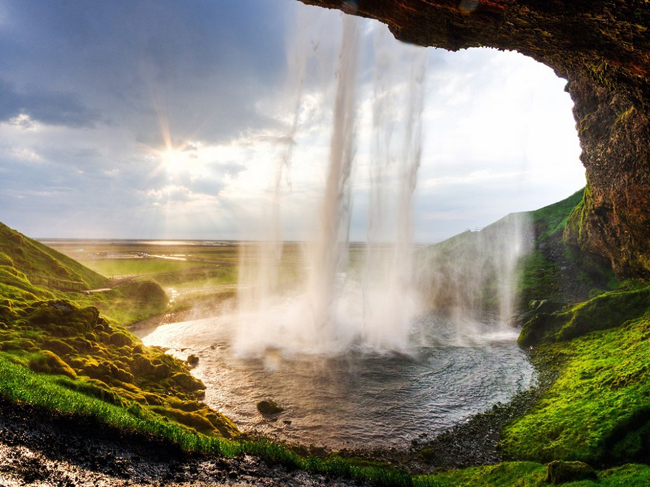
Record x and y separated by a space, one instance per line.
172 160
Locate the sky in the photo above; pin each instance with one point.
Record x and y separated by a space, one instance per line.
169 119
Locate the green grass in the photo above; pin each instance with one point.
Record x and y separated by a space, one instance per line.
59 355
552 219
55 394
538 277
44 263
599 407
531 474
504 474
136 267
606 310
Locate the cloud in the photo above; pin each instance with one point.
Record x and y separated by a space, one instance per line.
25 109
168 118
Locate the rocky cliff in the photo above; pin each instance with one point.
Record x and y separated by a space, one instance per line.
602 48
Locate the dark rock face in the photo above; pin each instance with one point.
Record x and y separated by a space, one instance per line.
602 47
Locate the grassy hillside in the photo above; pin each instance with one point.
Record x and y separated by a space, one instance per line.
471 271
61 356
43 265
587 334
48 328
556 271
591 332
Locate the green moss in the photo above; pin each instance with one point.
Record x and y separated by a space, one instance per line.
552 219
50 363
269 407
604 311
502 475
529 474
192 420
538 279
596 409
575 229
41 264
58 346
559 472
131 302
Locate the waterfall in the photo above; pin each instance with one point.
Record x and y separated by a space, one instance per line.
371 302
472 276
327 256
391 300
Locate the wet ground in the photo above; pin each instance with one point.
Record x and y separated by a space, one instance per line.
39 450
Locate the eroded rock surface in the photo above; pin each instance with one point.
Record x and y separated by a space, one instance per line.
602 48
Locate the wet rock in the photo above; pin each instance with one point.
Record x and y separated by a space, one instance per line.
269 407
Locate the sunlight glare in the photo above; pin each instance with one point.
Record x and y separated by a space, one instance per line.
172 161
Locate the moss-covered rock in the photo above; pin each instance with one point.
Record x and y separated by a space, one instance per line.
597 409
50 363
559 472
204 421
55 332
604 311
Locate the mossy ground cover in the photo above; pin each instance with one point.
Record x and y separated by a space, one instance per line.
53 331
556 271
599 407
127 303
531 474
591 332
63 396
107 362
43 264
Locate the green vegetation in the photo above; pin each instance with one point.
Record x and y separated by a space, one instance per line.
128 302
44 265
588 336
530 474
64 396
137 266
66 352
607 310
107 361
52 331
554 269
551 220
590 332
598 408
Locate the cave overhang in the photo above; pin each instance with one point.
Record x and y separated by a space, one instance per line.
602 49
